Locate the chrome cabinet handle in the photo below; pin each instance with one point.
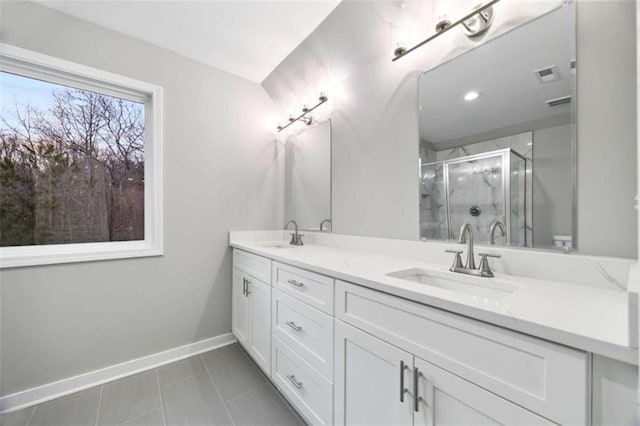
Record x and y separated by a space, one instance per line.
296 283
244 286
293 325
248 292
416 397
293 380
402 388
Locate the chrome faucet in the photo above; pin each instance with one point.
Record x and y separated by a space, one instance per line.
296 239
492 231
462 238
466 236
328 222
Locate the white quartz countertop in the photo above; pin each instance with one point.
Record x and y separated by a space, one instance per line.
592 319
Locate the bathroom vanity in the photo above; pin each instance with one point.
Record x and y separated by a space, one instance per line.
366 330
351 333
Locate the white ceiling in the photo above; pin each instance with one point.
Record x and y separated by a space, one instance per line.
503 72
246 38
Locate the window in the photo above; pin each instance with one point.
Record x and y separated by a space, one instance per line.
80 162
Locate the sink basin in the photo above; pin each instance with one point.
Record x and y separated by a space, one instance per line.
276 244
475 286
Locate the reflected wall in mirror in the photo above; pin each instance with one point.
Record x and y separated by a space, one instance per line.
497 138
308 177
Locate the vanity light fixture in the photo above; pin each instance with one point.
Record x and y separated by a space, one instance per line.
475 23
305 117
471 96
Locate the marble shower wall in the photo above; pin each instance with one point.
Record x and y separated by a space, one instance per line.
432 206
476 183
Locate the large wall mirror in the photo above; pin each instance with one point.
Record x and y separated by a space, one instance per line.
497 138
308 177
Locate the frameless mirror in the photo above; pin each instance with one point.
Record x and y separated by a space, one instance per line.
497 138
308 177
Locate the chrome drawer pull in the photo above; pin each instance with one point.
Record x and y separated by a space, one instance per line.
403 390
296 283
293 325
293 380
244 286
416 397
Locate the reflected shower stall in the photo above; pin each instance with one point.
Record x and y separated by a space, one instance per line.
477 189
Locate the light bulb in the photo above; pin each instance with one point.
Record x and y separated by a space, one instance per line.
470 96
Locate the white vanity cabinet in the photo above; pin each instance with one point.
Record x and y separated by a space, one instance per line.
346 354
378 383
371 379
251 306
548 379
446 399
303 335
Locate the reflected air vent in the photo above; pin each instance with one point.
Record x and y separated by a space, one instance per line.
547 75
559 101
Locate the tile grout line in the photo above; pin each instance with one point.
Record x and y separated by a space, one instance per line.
248 392
31 415
266 379
272 385
282 397
268 383
99 404
184 379
224 403
164 419
133 419
287 403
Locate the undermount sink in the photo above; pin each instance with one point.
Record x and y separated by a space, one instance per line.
475 286
276 244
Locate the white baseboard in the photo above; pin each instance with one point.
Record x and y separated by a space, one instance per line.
37 395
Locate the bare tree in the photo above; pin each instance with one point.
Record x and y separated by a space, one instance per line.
72 173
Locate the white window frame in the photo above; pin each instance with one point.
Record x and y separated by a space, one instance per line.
43 67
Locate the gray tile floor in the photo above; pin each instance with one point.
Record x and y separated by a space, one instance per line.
221 387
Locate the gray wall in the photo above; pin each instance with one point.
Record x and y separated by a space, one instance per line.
552 184
221 173
375 130
607 161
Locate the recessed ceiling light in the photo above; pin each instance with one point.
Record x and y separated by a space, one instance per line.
471 96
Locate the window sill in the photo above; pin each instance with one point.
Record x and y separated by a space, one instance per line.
16 257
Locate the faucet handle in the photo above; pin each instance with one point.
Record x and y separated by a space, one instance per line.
484 268
457 261
497 256
296 239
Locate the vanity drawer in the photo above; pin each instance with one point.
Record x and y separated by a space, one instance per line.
306 330
311 288
258 266
544 377
308 390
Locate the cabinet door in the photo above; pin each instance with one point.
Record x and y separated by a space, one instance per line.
240 308
372 380
446 399
260 322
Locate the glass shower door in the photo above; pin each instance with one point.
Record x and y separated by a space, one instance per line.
433 209
476 194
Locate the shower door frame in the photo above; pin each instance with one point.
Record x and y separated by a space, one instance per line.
506 186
